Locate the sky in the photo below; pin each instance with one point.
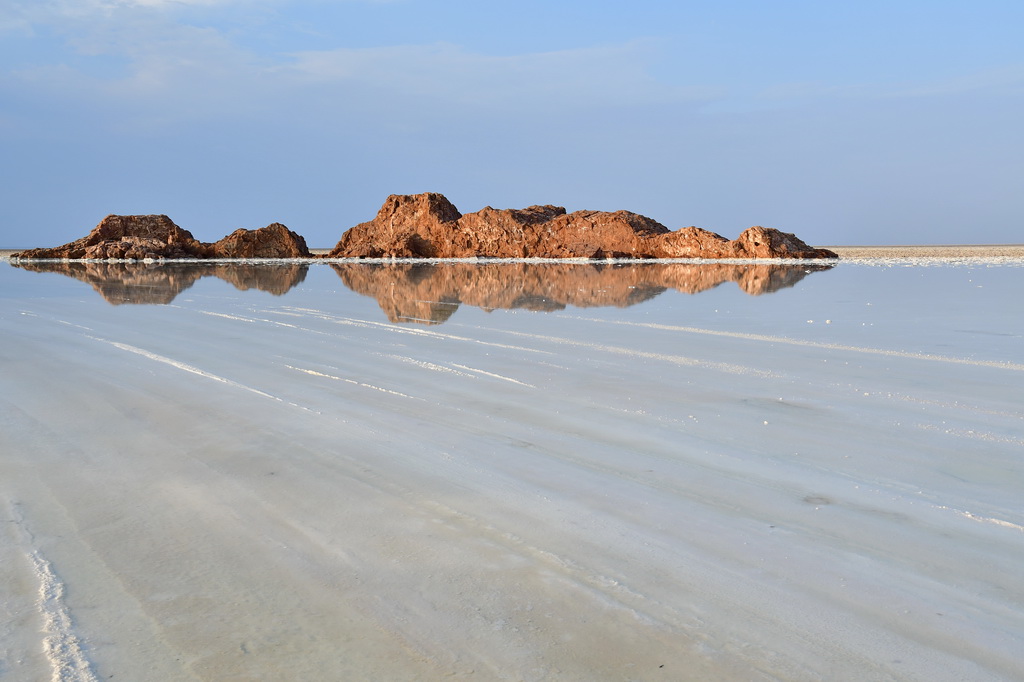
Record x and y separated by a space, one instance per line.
897 122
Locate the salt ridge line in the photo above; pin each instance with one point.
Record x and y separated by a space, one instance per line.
277 323
426 365
988 519
229 316
313 372
248 319
430 334
632 352
61 644
818 344
442 368
491 374
974 434
406 330
357 323
982 519
177 364
195 370
955 405
28 313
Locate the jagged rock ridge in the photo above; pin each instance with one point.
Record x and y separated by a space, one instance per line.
138 237
429 226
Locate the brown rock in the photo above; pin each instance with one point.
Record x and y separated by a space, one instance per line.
765 242
429 226
138 237
128 236
397 229
273 241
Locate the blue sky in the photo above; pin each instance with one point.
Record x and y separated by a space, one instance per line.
846 123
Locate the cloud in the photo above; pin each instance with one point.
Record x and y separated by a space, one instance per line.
446 75
149 69
1007 80
16 18
1003 81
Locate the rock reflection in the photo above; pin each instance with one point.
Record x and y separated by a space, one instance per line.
160 283
274 279
430 293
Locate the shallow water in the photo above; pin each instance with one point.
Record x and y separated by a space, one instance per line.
578 472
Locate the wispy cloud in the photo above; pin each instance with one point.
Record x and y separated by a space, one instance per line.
442 73
168 69
1003 80
996 82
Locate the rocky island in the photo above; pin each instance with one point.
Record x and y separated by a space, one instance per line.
429 226
140 237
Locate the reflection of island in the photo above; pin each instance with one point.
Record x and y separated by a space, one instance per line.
430 292
274 279
160 283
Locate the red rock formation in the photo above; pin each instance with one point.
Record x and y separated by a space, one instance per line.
128 236
273 241
429 226
134 237
137 237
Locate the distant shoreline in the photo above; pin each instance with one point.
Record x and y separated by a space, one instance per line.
931 251
855 252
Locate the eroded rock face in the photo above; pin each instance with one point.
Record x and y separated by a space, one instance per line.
138 237
429 226
273 241
429 293
128 236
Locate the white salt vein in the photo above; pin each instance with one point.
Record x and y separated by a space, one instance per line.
61 644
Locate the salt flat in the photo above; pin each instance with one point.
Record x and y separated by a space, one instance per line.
822 481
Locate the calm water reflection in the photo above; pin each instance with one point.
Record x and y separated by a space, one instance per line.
160 283
430 292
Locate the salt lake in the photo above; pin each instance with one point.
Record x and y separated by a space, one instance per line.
512 471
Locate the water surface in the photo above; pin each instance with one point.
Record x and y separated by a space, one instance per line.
569 471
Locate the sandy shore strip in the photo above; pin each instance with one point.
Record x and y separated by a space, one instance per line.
932 251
